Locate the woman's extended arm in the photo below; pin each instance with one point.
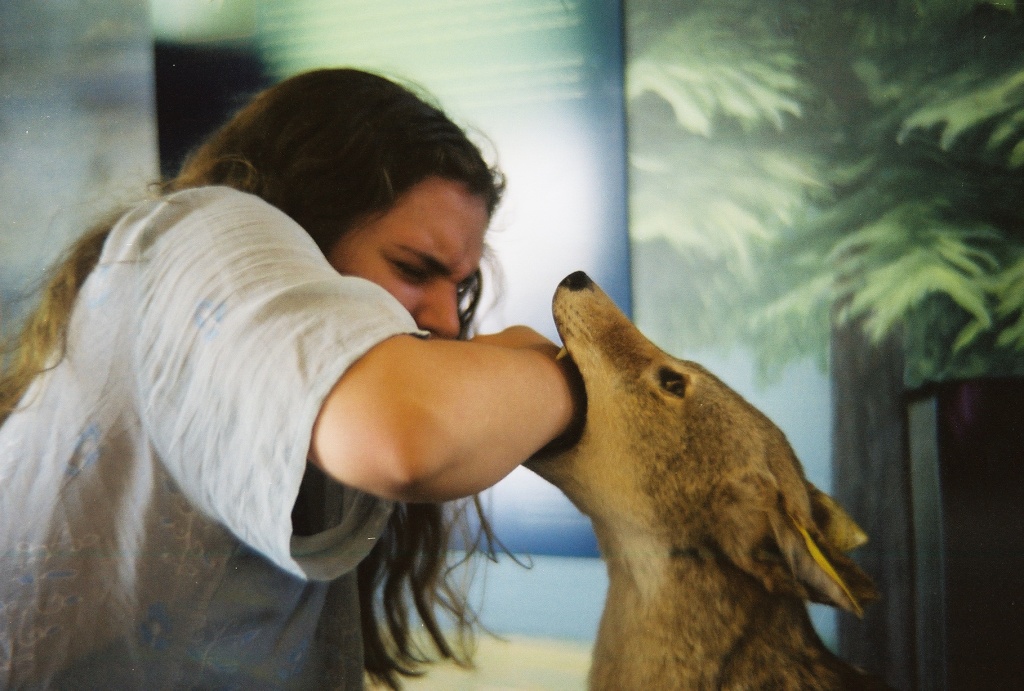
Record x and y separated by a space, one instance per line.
432 420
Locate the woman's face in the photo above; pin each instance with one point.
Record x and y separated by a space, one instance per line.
421 250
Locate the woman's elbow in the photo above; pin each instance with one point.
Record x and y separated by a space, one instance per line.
393 456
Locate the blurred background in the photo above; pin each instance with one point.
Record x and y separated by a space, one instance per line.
822 206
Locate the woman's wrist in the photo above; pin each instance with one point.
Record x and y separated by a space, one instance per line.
574 422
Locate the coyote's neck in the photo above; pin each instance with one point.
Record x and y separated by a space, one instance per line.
677 621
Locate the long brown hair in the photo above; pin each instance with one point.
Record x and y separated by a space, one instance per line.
329 148
41 343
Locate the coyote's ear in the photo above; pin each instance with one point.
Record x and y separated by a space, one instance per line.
761 533
817 564
836 525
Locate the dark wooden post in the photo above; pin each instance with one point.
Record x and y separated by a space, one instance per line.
871 480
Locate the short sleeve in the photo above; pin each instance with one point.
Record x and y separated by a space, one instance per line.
243 329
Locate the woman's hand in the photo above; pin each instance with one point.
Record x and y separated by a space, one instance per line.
431 419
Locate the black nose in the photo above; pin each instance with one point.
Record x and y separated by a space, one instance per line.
577 280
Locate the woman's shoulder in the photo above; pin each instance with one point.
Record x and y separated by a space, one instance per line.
217 204
197 216
215 195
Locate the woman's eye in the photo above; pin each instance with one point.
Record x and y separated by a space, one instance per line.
411 272
468 286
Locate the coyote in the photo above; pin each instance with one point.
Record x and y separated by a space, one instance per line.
712 537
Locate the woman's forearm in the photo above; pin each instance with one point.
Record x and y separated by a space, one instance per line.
431 420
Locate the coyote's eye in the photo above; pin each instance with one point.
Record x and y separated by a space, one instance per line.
672 382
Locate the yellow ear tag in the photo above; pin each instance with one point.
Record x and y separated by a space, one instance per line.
823 562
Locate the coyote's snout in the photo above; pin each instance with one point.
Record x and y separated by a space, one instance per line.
712 536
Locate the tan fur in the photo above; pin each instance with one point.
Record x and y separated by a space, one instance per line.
712 536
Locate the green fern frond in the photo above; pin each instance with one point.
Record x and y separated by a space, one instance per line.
1004 5
879 89
969 335
1010 128
947 9
1016 158
792 168
953 248
917 223
704 67
725 230
981 100
691 112
889 293
893 264
1008 287
1012 336
729 208
799 303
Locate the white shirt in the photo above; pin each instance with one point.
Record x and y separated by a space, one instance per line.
147 481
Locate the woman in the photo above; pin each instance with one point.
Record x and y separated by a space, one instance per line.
234 397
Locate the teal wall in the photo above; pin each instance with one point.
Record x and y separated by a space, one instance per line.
76 128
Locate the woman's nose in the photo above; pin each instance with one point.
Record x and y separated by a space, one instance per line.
438 311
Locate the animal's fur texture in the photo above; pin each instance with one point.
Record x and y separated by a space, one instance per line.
712 536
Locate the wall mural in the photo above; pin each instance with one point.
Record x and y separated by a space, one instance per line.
795 166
